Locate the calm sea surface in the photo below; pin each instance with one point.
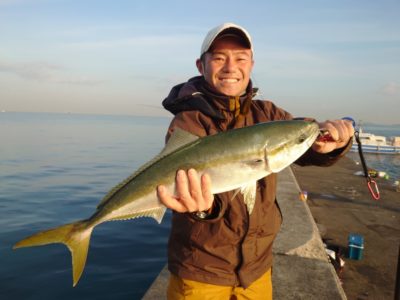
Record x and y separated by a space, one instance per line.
54 169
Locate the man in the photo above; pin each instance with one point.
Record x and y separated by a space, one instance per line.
216 249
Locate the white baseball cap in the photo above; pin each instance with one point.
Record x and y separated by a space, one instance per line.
224 30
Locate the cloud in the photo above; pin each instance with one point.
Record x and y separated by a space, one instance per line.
154 41
391 89
79 81
44 72
34 71
294 63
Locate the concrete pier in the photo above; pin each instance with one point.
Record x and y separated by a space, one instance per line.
301 268
341 204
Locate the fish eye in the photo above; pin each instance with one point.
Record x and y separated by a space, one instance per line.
301 139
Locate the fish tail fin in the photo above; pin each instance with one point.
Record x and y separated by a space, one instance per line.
76 236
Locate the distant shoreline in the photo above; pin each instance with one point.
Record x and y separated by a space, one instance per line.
364 124
84 114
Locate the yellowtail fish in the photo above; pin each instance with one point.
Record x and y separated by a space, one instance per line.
234 159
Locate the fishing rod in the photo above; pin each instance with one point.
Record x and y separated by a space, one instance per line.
371 184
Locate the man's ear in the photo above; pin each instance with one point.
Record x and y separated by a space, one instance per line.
199 65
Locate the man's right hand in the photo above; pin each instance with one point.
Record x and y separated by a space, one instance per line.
193 193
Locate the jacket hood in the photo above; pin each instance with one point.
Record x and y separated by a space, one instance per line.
196 94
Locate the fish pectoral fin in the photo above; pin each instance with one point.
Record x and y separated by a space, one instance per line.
249 195
235 194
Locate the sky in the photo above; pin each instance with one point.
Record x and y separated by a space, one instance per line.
320 58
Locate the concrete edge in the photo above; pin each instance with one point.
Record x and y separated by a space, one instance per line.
302 268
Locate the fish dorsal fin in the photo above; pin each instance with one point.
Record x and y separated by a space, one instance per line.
178 139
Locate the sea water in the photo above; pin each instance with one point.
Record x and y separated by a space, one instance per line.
54 169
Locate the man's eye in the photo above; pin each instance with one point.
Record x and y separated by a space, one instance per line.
218 59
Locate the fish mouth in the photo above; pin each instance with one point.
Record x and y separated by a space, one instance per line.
315 133
309 135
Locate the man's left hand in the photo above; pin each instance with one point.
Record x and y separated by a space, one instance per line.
336 134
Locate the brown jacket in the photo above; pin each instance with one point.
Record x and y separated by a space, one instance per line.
232 247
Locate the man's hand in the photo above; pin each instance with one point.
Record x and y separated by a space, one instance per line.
193 193
336 134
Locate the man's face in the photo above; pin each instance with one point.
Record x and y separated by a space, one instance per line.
227 66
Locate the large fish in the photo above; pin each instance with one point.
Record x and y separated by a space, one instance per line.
234 159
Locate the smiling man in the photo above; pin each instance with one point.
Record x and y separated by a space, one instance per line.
217 250
227 65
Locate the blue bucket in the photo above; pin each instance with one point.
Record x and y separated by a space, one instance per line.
355 246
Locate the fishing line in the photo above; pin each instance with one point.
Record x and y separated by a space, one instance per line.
372 185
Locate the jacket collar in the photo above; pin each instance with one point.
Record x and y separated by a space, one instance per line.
196 94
